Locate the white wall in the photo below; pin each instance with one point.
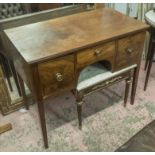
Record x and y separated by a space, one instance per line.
125 8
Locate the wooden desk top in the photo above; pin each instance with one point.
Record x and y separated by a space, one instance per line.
48 39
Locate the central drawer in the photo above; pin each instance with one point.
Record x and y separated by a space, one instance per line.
57 76
95 54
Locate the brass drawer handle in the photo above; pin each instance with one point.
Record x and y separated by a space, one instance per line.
59 77
97 52
129 50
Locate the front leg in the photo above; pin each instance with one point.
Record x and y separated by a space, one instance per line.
39 100
134 84
79 102
79 111
127 88
43 122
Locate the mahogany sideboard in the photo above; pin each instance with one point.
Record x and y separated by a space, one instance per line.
50 55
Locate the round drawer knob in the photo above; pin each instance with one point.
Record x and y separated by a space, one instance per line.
97 52
129 50
59 77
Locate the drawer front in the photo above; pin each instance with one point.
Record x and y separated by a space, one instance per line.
129 50
95 54
57 76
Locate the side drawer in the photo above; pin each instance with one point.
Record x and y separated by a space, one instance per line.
129 50
98 53
57 76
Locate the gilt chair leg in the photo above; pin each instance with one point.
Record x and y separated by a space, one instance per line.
127 88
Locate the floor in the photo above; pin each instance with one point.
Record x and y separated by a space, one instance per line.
143 141
106 126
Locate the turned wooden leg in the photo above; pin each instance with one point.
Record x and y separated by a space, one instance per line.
21 82
148 58
79 111
149 67
127 88
134 84
15 76
79 102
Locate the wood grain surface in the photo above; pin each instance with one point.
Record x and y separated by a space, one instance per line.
52 38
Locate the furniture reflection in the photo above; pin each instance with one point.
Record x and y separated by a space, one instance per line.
54 63
8 68
150 19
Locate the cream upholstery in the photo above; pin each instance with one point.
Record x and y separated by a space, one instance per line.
96 73
150 17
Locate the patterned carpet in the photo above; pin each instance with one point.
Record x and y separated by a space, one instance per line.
106 126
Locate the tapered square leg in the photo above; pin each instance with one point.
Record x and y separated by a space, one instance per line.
43 122
39 99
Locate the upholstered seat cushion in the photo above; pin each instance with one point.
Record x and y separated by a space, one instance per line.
150 18
96 73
